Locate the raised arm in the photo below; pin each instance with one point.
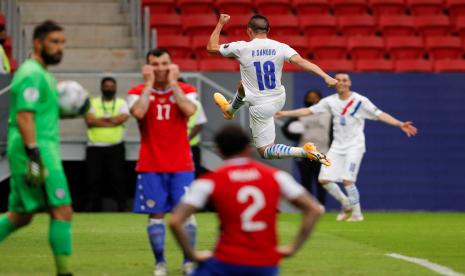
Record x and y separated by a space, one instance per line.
186 106
407 127
213 46
140 107
293 113
312 68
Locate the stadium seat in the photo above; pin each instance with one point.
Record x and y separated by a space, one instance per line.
166 24
335 64
449 47
456 8
306 7
331 47
318 25
214 65
269 7
351 25
199 45
460 27
284 25
413 65
384 7
375 65
189 7
449 65
405 47
288 67
366 47
432 25
178 46
160 6
298 43
237 25
186 64
241 37
198 24
345 7
425 7
235 7
396 25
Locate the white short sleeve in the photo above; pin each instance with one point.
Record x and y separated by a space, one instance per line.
368 110
288 52
201 117
192 97
198 193
124 109
232 49
320 107
290 189
131 100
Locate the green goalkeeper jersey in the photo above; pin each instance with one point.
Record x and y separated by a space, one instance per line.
34 89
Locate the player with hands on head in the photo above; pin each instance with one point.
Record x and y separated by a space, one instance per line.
349 110
261 61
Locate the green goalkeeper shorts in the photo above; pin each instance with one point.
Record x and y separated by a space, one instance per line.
25 198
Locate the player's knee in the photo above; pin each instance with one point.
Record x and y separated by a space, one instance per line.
347 182
157 216
20 220
323 182
62 212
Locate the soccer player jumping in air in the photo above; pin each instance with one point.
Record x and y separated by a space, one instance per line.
261 61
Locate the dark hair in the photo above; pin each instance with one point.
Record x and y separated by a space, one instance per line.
316 91
231 140
156 52
2 28
104 79
46 27
259 24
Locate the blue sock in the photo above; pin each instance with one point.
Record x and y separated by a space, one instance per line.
191 229
156 231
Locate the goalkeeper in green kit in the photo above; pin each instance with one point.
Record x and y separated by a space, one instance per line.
37 178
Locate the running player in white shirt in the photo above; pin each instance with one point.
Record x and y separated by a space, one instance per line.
349 110
261 61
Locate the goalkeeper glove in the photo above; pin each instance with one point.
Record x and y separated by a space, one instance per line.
36 171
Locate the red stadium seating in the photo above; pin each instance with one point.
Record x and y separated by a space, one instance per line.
366 47
425 7
344 7
377 65
237 25
235 7
384 7
269 7
405 47
160 6
335 64
241 37
306 7
433 25
444 47
178 46
396 25
214 65
166 24
186 64
189 7
413 65
456 7
332 47
460 27
318 25
199 45
288 67
198 24
284 25
299 43
449 65
351 25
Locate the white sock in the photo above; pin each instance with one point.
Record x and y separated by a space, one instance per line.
354 198
236 103
334 190
279 151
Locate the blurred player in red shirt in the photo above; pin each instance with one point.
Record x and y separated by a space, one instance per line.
246 195
165 168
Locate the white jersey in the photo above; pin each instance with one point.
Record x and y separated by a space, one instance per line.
348 120
261 67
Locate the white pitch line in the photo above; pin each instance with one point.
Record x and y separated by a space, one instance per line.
443 270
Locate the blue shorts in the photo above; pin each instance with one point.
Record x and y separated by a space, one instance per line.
160 192
214 267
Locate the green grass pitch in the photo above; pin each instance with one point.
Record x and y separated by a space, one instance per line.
116 244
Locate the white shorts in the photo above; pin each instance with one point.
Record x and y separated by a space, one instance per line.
262 121
344 166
